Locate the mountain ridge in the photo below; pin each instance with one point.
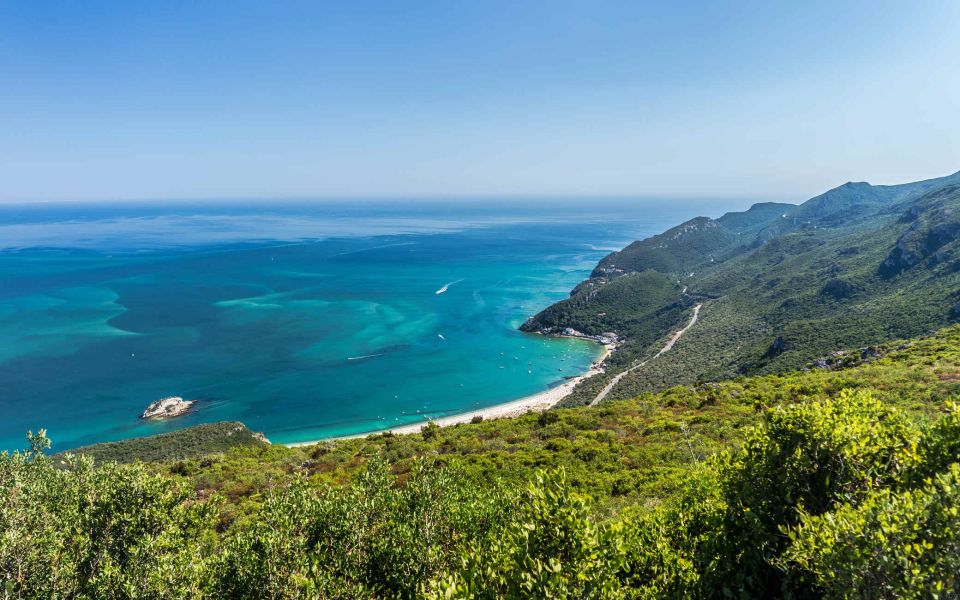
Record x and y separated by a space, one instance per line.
782 284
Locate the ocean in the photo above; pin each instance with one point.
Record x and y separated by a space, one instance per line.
303 319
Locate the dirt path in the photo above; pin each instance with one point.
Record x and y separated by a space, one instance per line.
673 340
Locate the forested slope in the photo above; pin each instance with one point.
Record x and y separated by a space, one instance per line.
855 266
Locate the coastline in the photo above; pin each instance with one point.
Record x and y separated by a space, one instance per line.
538 402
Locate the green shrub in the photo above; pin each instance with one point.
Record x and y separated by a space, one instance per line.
805 459
106 532
370 539
552 549
890 545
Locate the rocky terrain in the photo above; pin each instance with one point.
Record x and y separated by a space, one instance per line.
167 408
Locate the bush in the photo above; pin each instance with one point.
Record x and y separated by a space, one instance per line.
107 532
805 459
891 545
552 549
370 539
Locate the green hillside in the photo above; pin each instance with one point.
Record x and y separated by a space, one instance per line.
855 266
697 242
176 445
640 306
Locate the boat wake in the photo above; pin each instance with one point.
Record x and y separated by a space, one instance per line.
446 286
365 356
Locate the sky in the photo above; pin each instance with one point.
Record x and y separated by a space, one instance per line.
760 99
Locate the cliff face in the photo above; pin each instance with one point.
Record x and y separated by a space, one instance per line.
934 227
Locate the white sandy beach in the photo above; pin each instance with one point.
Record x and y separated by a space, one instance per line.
533 403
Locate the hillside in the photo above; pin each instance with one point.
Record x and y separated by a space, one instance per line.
191 442
698 241
767 486
855 266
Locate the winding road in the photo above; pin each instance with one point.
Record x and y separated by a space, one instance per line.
666 348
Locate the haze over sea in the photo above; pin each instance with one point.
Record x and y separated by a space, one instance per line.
302 319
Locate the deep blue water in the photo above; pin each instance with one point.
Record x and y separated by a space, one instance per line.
301 319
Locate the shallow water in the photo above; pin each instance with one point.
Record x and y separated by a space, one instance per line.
303 320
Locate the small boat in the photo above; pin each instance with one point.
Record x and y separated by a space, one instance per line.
446 287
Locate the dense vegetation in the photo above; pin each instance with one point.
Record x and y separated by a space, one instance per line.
780 285
837 482
191 442
642 307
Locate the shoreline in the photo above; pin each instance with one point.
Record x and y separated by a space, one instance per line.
538 402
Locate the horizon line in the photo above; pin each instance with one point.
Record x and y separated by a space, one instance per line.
789 198
425 198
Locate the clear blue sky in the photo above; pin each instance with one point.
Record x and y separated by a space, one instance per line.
206 99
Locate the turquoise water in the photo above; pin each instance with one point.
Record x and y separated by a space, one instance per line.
303 320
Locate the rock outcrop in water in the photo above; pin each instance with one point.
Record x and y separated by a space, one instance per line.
166 408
